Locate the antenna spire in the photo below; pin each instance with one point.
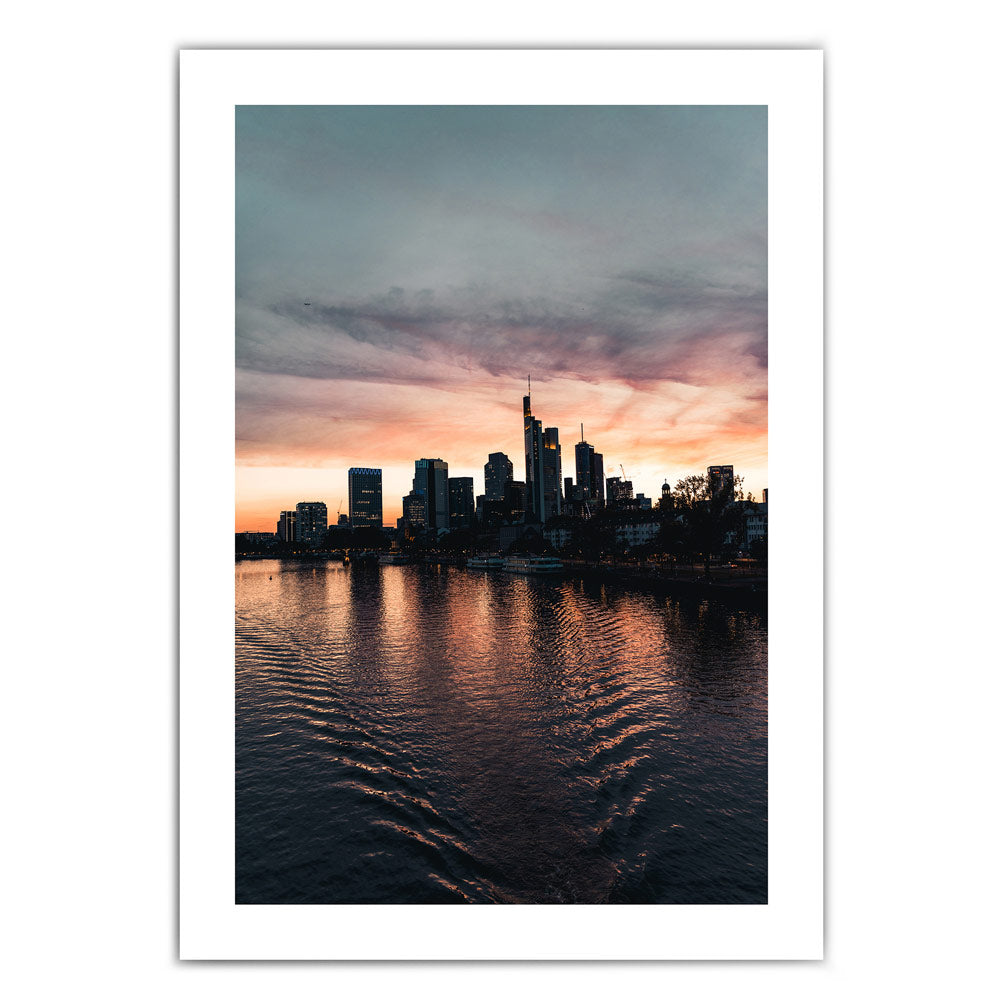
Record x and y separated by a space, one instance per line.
581 432
529 383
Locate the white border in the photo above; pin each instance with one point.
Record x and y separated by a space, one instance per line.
212 83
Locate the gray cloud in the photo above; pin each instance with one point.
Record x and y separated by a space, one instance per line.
637 328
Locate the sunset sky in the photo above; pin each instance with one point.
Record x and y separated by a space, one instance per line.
617 254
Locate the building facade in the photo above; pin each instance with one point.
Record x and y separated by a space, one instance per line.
633 531
415 509
499 471
286 526
248 541
551 473
431 478
597 478
364 497
515 500
461 505
755 522
310 522
559 537
584 483
619 491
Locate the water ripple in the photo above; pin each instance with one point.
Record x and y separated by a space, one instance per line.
413 735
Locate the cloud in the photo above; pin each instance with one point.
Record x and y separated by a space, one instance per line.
636 328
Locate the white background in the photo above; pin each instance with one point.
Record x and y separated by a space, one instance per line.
89 364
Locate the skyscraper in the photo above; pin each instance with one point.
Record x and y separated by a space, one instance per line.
499 472
310 522
583 480
461 504
589 473
597 477
431 478
551 473
364 497
534 476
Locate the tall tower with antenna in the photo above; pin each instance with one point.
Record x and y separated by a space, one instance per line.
534 476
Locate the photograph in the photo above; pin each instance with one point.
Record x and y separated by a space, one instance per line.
501 504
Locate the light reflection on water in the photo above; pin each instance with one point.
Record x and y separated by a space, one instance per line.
414 735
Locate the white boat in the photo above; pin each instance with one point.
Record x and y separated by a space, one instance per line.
485 562
532 564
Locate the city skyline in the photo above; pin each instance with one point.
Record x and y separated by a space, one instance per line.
594 492
401 271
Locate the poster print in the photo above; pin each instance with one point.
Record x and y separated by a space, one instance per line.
502 567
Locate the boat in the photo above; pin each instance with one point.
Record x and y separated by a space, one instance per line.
393 559
485 562
532 564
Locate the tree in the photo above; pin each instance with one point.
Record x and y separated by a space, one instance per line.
671 539
531 543
594 536
707 518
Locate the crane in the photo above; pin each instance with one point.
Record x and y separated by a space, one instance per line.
622 467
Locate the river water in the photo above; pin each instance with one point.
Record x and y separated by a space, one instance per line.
407 734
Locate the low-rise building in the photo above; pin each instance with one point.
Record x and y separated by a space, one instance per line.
755 522
633 531
558 537
254 541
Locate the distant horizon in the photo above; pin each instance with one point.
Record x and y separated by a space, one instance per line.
400 271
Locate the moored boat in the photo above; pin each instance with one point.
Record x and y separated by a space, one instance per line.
532 564
485 562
